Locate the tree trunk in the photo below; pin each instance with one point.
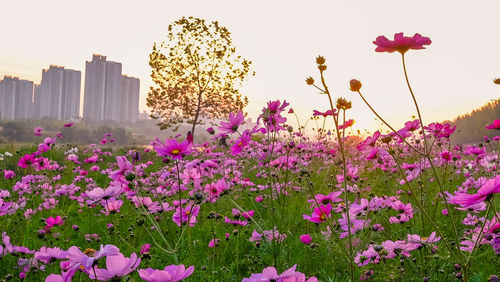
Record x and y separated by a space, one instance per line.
197 114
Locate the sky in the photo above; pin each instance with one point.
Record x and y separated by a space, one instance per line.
282 38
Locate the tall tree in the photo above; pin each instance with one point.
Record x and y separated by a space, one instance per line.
197 73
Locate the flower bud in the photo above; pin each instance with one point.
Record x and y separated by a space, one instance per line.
320 60
496 80
310 81
355 85
136 156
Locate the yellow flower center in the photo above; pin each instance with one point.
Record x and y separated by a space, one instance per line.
188 212
175 151
89 252
323 217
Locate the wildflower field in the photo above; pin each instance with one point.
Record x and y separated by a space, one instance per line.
274 204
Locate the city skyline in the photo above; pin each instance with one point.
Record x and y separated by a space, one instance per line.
109 95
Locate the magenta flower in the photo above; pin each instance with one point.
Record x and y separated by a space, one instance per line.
306 239
486 192
271 274
145 248
68 124
401 43
325 114
116 267
170 273
347 124
51 222
172 148
26 161
240 143
319 214
494 125
183 215
8 174
37 131
234 122
235 222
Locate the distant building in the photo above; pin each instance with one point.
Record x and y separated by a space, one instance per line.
58 95
108 94
15 98
95 88
129 99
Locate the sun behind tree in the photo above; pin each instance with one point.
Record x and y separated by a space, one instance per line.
197 73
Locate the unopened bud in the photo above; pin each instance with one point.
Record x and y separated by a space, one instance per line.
320 60
355 85
310 81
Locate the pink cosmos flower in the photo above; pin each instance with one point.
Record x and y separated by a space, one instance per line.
319 214
183 215
486 192
240 143
105 194
366 257
5 206
37 131
145 248
48 255
414 238
113 206
234 122
332 197
54 278
170 273
401 43
271 274
124 167
347 124
325 114
85 260
494 125
116 267
213 243
26 161
235 222
306 239
172 148
9 174
68 124
51 222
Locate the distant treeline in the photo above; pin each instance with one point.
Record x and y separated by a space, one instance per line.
84 132
471 126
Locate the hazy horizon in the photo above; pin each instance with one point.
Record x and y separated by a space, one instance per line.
451 77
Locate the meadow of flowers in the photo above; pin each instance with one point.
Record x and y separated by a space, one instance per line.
271 205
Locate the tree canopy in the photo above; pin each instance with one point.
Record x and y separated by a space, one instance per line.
197 73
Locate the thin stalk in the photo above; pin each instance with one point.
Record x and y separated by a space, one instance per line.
427 155
346 198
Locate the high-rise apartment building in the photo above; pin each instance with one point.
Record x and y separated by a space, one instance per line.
108 94
129 100
24 100
112 101
58 95
15 98
95 88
